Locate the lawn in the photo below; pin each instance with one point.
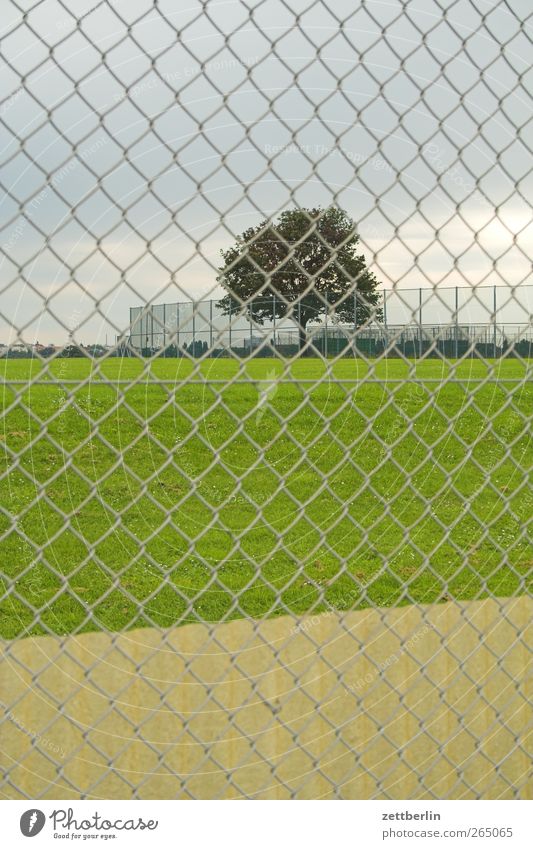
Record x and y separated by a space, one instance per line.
137 494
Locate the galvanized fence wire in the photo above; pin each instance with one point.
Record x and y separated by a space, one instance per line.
137 141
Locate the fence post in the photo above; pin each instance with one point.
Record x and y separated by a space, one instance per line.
385 335
494 319
165 329
420 340
326 336
355 323
274 318
456 322
230 305
210 326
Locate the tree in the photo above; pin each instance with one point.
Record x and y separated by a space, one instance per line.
72 350
303 266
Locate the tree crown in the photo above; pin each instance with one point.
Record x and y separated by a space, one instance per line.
303 265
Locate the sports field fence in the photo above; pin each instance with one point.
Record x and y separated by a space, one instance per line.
445 322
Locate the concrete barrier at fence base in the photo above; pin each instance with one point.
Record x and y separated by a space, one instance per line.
406 703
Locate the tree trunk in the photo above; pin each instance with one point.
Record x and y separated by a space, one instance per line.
303 339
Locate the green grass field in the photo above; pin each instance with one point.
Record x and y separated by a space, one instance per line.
235 494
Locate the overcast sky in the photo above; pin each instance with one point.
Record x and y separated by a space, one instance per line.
127 164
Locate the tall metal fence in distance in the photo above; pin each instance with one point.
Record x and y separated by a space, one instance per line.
452 322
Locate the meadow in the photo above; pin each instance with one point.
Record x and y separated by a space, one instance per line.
136 493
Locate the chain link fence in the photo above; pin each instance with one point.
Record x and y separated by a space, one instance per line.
414 323
300 569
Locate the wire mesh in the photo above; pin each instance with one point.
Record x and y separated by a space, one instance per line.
202 328
267 541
